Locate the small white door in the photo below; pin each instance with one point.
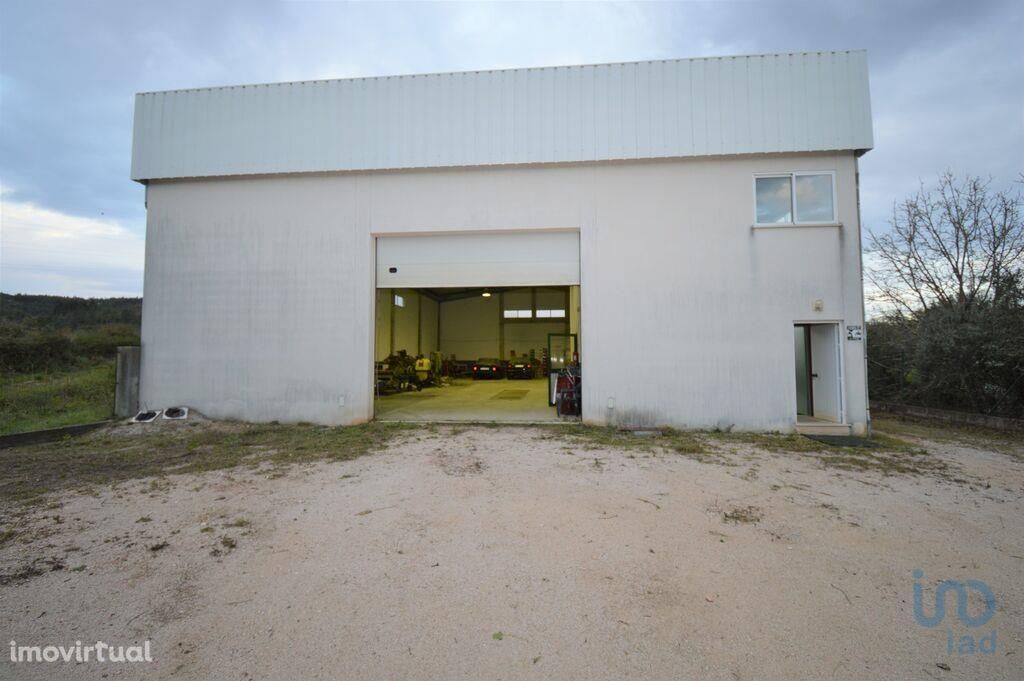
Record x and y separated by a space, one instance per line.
529 258
825 372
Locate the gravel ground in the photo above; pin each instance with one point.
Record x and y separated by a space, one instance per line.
511 553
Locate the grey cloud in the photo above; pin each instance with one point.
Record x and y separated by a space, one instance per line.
947 77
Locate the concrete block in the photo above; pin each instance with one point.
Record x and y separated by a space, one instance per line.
126 395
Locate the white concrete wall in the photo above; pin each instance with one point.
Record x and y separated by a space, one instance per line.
259 291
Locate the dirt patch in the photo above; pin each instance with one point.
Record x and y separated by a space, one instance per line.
37 567
743 514
523 553
459 456
130 451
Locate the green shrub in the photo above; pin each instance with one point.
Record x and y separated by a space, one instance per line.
103 341
24 349
36 351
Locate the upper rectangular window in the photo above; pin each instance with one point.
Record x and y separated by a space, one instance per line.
551 314
795 198
518 314
399 301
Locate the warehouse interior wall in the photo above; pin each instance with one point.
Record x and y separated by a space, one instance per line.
524 337
382 330
430 323
411 326
470 327
475 326
406 322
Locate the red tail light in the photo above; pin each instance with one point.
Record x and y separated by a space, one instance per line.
476 368
494 368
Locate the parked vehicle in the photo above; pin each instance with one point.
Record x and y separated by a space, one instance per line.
520 367
489 367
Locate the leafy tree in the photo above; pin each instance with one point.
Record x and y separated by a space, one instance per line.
950 274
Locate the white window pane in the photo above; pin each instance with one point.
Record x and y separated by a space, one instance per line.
774 202
560 314
814 198
543 314
399 301
510 314
525 314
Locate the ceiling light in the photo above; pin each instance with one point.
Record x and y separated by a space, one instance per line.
486 294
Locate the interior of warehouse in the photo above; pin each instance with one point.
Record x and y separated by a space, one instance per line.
473 354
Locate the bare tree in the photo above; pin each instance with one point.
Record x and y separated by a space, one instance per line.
954 246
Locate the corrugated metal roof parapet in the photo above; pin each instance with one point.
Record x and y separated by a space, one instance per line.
656 109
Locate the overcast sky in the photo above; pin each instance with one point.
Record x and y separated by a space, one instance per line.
947 89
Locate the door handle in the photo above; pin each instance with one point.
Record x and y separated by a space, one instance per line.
814 375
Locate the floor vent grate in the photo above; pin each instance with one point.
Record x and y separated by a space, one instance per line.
511 395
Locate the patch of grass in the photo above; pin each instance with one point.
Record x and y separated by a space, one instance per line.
239 522
61 398
1007 442
887 461
688 443
38 566
144 519
6 536
772 442
888 455
744 514
112 455
883 454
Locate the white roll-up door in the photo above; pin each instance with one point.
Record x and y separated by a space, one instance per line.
460 260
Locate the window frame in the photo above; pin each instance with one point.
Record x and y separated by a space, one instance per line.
792 175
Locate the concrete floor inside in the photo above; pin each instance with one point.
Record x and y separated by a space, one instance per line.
500 400
804 418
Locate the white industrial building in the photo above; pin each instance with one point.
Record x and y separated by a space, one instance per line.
691 224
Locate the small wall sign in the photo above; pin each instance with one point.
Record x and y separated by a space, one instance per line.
855 333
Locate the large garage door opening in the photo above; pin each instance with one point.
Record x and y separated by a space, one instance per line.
477 327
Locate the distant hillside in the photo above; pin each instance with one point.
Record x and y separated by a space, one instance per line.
59 312
55 333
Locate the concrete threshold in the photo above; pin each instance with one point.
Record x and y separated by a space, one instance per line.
480 422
